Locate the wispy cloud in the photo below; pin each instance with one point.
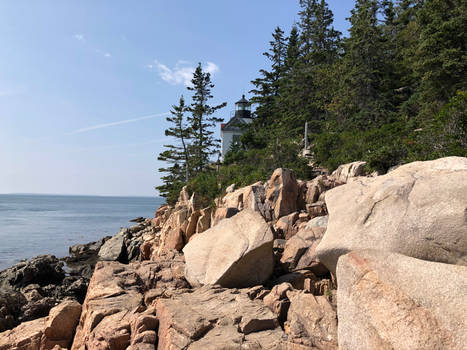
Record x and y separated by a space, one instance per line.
106 54
120 146
79 37
211 67
120 122
181 73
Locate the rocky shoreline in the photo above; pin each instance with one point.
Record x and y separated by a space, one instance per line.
344 261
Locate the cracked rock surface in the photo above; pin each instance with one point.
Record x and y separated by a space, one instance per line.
418 209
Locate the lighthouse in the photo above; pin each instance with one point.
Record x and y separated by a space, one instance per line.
233 129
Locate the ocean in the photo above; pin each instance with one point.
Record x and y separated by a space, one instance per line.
31 225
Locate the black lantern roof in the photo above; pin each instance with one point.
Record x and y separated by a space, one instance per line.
243 100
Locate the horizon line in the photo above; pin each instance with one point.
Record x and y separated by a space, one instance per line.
77 195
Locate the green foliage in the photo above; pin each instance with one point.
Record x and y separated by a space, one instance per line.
202 121
175 154
445 134
244 167
381 147
363 98
194 144
440 59
206 187
392 92
173 181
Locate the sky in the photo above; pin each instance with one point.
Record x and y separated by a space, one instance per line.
85 86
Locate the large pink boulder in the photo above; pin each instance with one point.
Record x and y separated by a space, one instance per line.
237 252
391 301
418 210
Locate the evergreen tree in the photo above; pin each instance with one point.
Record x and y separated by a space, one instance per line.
176 154
364 97
402 35
201 121
267 87
277 55
394 91
308 88
319 40
293 49
440 60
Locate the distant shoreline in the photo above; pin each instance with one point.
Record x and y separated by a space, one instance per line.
77 195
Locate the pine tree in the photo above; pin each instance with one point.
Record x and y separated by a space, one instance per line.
293 49
319 40
277 55
201 121
182 134
364 97
440 60
308 89
176 154
267 88
402 33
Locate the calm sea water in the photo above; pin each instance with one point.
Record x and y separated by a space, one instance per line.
46 224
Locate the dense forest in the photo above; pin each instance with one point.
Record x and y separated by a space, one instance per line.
393 91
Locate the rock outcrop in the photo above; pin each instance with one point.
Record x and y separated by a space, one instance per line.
345 172
57 329
299 251
223 213
114 249
282 192
29 289
119 297
248 197
41 270
311 321
212 317
83 257
237 252
285 226
418 210
391 301
175 281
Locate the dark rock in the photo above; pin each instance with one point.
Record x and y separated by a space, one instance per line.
37 309
114 249
29 290
138 219
42 270
11 303
133 250
83 258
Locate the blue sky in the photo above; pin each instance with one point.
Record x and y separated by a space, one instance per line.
84 85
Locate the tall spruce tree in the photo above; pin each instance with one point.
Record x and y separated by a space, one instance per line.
176 154
401 31
308 89
364 96
319 40
201 121
293 49
267 87
440 59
